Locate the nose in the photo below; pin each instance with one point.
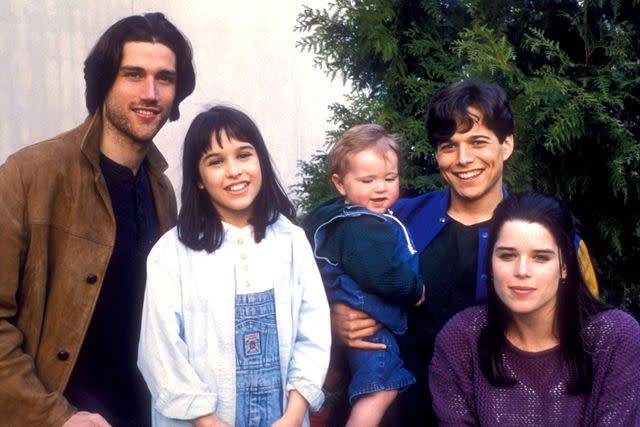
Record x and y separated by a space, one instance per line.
465 154
233 168
149 90
522 267
380 186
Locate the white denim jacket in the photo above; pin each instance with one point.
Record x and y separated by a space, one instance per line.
187 345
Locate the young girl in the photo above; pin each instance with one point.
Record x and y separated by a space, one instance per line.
543 351
235 324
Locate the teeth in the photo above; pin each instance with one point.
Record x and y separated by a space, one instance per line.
237 187
146 112
468 175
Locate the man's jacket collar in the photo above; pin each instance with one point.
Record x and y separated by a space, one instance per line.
90 145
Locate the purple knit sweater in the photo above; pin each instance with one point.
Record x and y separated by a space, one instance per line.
462 395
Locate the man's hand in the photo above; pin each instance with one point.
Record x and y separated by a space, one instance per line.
210 420
421 300
86 419
351 326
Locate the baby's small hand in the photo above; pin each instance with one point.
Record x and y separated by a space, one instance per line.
421 300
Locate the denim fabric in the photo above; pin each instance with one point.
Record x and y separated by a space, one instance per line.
187 342
258 377
376 370
371 370
341 287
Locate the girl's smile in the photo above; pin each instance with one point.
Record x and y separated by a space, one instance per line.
230 173
237 188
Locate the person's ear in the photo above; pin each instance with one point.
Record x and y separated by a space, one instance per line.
507 147
337 182
563 268
200 186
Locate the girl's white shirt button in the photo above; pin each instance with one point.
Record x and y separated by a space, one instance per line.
246 265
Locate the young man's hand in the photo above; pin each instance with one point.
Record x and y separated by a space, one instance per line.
424 293
350 326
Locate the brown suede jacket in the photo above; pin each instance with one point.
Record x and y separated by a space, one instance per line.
57 232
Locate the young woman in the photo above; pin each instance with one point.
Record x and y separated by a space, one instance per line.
235 325
543 351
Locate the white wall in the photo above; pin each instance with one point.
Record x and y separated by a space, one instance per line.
244 53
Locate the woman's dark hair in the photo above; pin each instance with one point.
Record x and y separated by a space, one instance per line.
575 303
199 225
448 110
102 65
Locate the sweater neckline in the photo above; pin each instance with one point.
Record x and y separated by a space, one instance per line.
532 354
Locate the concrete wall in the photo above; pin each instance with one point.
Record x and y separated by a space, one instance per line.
244 53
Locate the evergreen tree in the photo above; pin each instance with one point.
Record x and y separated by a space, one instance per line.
570 68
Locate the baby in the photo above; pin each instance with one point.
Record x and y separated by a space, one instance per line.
367 260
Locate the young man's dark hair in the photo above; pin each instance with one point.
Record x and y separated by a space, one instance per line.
102 64
448 110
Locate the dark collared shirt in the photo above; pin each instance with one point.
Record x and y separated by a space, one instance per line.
105 378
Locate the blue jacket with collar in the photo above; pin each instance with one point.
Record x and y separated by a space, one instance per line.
425 216
376 250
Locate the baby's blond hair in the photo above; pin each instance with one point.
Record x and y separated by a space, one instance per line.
357 139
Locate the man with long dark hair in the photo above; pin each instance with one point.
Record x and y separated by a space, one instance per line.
79 214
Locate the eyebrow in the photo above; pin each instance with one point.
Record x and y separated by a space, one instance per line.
544 251
170 73
209 155
246 146
446 141
130 68
537 251
477 137
471 138
137 68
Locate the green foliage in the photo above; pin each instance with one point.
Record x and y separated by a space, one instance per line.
314 187
570 67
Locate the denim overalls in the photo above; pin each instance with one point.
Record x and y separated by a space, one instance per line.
258 379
